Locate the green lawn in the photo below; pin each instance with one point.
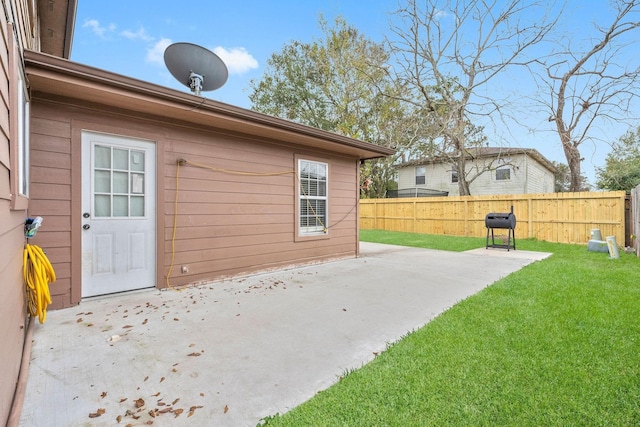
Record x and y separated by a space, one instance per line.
554 344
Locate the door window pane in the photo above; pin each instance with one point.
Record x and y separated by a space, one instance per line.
120 159
120 205
103 157
102 181
137 161
120 182
137 206
103 206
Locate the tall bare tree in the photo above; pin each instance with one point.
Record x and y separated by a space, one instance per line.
593 85
450 51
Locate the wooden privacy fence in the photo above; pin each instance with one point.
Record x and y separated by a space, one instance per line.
552 217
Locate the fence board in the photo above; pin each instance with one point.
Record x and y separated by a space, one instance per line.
553 217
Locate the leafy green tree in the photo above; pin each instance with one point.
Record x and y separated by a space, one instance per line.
563 179
622 165
341 84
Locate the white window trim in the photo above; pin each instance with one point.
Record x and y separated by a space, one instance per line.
23 139
319 230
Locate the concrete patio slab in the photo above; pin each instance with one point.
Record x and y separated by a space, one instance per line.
232 352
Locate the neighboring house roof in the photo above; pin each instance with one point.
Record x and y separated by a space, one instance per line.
486 152
59 77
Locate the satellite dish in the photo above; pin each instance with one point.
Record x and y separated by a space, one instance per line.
195 67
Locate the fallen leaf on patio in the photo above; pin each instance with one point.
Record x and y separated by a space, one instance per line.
79 320
149 422
165 410
146 378
177 412
161 403
174 370
88 313
152 414
192 345
344 309
145 321
175 401
158 393
127 326
89 324
119 418
124 399
201 394
103 394
194 354
97 413
139 403
161 379
226 408
176 319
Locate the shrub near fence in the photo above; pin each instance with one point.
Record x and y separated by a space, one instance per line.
552 217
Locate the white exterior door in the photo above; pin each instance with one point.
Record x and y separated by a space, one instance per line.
118 214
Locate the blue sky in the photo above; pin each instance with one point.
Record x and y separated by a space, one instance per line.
128 37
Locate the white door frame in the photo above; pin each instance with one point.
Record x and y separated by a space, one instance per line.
119 223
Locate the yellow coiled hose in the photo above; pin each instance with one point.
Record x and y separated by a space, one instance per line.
38 273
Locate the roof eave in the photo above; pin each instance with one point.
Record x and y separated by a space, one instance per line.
58 77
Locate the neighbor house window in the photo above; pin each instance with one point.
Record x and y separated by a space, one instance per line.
313 179
454 176
421 175
503 174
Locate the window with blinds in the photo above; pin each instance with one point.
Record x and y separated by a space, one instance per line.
312 194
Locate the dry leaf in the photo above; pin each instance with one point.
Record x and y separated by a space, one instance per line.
152 414
146 378
89 324
149 422
175 401
79 320
139 403
127 326
177 412
144 322
174 370
176 319
226 408
192 345
119 418
201 394
97 413
165 410
88 313
161 379
194 354
123 399
158 393
103 394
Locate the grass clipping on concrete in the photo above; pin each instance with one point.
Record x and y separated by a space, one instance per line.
556 343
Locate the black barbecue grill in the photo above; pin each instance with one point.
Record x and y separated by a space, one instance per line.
501 221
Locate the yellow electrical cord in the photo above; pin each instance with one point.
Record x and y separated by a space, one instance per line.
38 273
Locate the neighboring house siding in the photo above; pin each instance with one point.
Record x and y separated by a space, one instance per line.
227 223
526 175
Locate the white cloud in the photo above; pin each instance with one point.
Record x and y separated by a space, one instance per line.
237 59
97 29
141 34
155 54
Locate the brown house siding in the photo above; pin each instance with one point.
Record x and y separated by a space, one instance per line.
233 217
13 317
